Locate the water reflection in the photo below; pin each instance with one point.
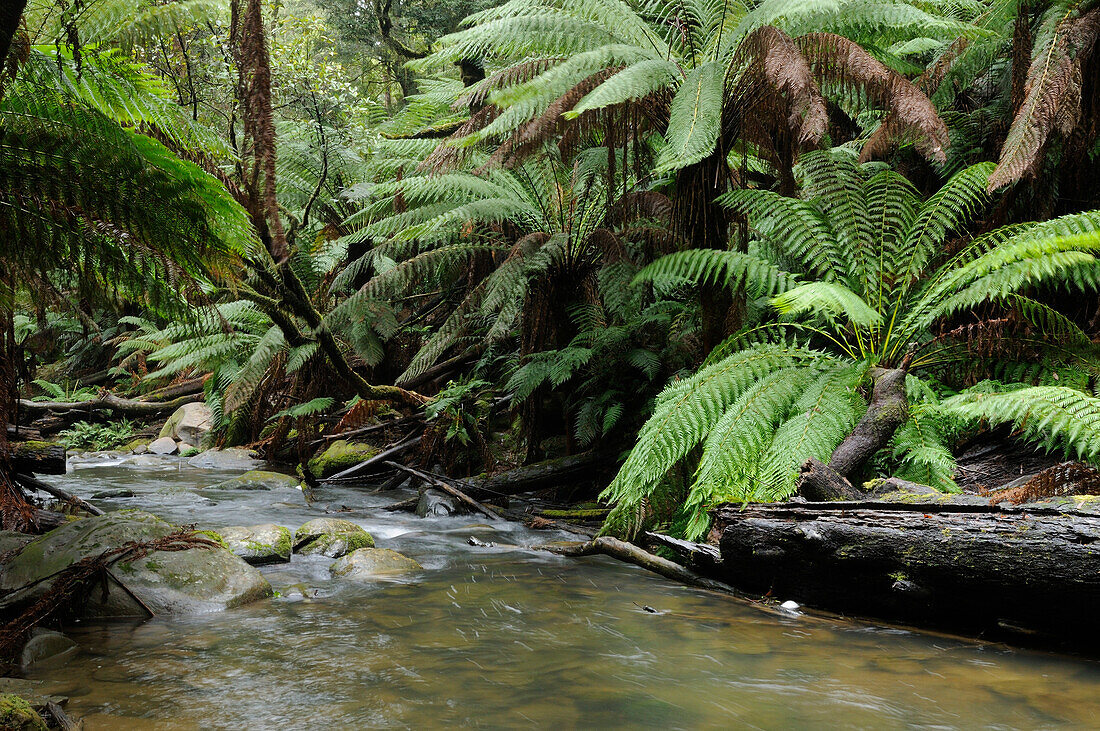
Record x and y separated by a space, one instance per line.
513 638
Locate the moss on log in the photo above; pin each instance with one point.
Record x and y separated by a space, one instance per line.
37 457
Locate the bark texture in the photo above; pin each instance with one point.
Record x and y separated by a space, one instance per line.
983 570
43 458
889 408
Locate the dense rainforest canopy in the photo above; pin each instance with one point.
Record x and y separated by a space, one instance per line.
713 241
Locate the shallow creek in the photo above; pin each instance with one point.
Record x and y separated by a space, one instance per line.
507 637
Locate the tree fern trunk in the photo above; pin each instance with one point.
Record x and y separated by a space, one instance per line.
705 225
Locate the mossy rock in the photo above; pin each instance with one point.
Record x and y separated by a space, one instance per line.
339 456
168 582
367 563
11 540
17 714
259 544
258 480
136 444
330 537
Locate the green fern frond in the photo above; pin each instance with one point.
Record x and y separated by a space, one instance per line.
1053 416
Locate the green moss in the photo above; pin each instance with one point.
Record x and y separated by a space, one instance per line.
135 443
579 514
190 452
18 715
170 425
285 543
340 455
360 540
214 536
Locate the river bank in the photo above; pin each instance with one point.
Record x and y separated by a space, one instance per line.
509 636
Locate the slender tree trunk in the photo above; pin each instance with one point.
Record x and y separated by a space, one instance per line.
11 12
15 512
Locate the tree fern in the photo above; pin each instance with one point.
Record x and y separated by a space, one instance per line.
869 312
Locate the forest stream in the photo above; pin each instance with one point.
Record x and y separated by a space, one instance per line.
505 636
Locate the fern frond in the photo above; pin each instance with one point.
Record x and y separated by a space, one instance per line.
1053 416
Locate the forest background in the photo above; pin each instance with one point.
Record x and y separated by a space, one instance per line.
729 248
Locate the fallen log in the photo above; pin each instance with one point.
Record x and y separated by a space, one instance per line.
107 401
23 433
699 555
408 505
398 423
33 484
60 719
42 458
985 570
184 388
550 473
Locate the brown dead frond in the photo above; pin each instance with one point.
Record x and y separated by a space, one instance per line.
533 135
910 114
358 415
1068 478
510 76
1051 99
448 154
783 83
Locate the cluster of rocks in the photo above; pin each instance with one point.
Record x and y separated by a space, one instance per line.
139 456
358 558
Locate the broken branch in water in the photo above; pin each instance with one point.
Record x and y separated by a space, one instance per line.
632 554
449 489
34 484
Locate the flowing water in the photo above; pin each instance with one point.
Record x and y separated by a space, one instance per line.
510 637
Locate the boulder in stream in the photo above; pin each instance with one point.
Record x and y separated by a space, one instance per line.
164 445
189 423
258 480
435 503
330 537
11 540
339 456
199 579
259 544
368 563
46 646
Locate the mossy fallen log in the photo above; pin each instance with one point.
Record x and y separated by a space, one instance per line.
107 401
38 457
987 570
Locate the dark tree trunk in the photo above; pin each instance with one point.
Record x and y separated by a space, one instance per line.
11 12
979 569
705 225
